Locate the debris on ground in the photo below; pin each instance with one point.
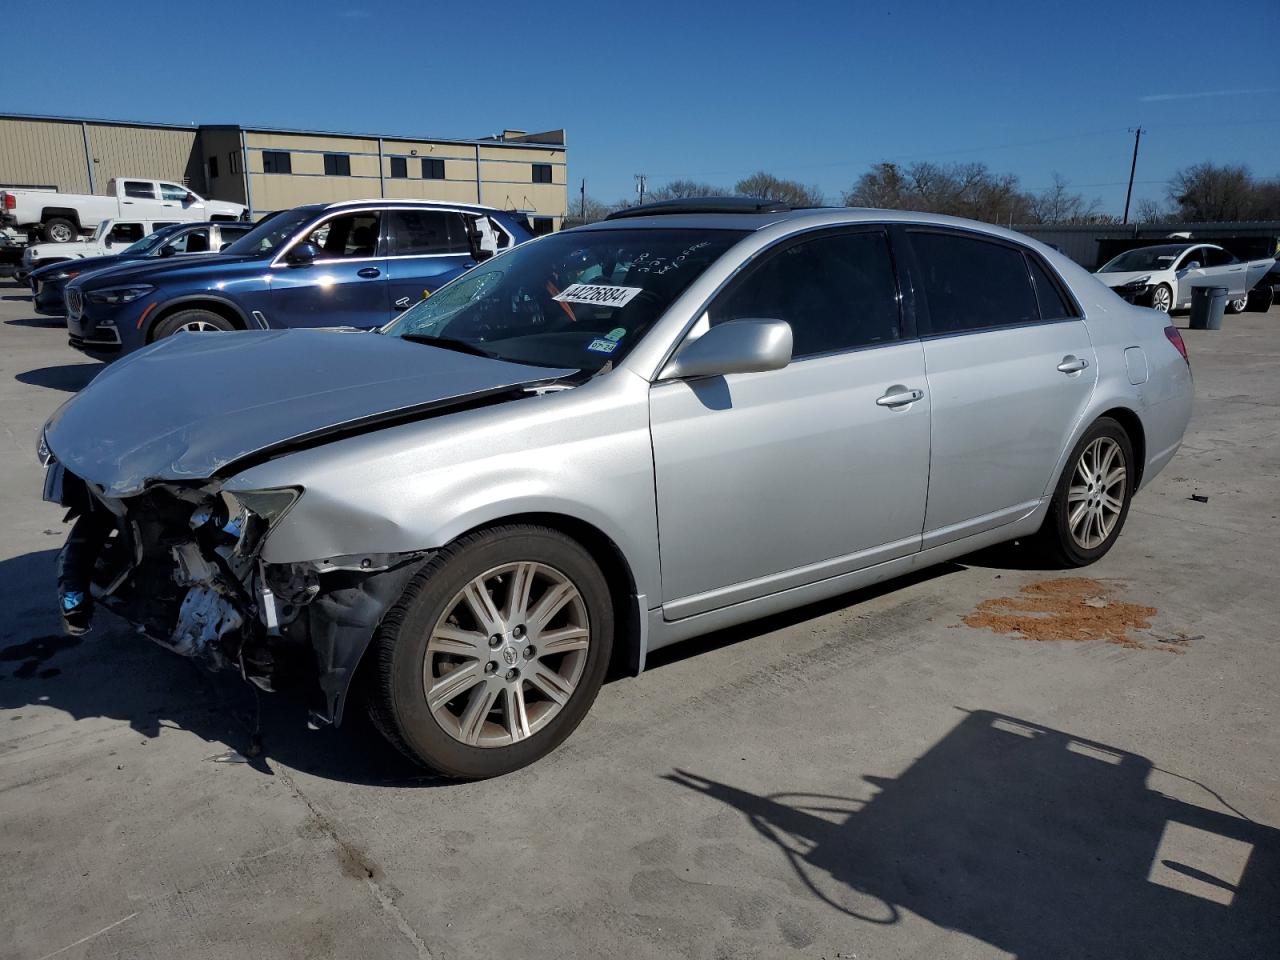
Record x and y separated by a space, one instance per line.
1199 498
1071 608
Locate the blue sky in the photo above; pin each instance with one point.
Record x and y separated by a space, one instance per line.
812 91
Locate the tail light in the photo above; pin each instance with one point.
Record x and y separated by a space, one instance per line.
1176 339
10 201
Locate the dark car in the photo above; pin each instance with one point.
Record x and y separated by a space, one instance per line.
356 263
181 239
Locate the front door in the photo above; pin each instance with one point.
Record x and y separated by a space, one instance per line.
767 481
427 248
1010 368
346 285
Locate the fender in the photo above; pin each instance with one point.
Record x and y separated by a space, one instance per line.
167 307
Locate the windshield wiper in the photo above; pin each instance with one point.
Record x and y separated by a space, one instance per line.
448 343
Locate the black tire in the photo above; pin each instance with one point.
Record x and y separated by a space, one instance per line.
185 318
1162 298
1055 537
59 230
397 690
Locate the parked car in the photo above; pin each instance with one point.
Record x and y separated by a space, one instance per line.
356 264
62 217
181 239
601 443
1163 276
110 237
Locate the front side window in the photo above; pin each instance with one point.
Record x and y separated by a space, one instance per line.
432 168
427 232
350 236
972 284
153 241
837 292
268 236
171 191
193 241
578 300
277 161
141 189
1217 257
337 165
542 173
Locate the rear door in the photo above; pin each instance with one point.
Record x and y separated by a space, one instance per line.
345 286
1010 368
426 249
768 481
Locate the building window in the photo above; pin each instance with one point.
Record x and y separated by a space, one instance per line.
542 225
432 168
542 173
235 162
213 168
399 168
337 165
277 161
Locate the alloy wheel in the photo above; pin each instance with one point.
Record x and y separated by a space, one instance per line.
1161 299
200 326
1095 499
507 654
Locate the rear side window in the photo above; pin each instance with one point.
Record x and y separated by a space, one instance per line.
972 284
142 189
425 232
838 292
1053 306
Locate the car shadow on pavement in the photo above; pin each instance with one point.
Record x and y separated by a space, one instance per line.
70 377
1036 842
115 674
47 323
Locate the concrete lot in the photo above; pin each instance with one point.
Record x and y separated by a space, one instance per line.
869 778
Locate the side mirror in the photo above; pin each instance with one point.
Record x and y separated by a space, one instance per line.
224 246
168 250
303 255
1193 265
107 241
190 198
739 346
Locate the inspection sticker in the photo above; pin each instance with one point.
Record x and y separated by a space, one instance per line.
598 294
602 346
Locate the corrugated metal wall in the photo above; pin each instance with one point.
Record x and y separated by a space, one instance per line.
44 153
145 152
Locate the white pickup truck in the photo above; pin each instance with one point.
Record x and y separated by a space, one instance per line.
63 217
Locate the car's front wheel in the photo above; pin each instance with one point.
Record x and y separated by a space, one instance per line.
1162 298
495 652
1092 498
192 321
1238 304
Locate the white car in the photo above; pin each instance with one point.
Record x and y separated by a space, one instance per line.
112 236
1163 276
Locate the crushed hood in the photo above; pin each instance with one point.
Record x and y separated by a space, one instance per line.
190 405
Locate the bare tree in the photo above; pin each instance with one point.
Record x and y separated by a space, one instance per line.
1152 211
963 190
686 189
1057 204
884 186
1208 192
769 187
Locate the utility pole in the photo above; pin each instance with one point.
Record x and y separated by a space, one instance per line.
1133 168
582 211
640 181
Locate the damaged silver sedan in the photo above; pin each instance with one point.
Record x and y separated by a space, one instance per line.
597 444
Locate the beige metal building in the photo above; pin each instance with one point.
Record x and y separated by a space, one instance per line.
271 169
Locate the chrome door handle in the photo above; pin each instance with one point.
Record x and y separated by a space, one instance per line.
899 396
1072 364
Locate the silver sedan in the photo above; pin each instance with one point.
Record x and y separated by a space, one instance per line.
601 443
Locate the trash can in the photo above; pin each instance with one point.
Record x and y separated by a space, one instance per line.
1207 307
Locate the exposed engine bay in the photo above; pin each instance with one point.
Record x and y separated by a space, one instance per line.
181 562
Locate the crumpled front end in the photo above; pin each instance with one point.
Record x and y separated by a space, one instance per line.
182 563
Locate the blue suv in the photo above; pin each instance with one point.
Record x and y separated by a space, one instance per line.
357 263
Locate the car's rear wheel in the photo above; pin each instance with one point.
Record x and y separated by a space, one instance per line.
192 321
59 230
1162 298
1091 501
495 652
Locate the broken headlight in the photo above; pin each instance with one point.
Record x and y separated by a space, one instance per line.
254 512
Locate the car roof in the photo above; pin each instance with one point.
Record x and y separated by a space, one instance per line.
375 202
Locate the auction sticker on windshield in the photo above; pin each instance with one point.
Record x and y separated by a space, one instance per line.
599 294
